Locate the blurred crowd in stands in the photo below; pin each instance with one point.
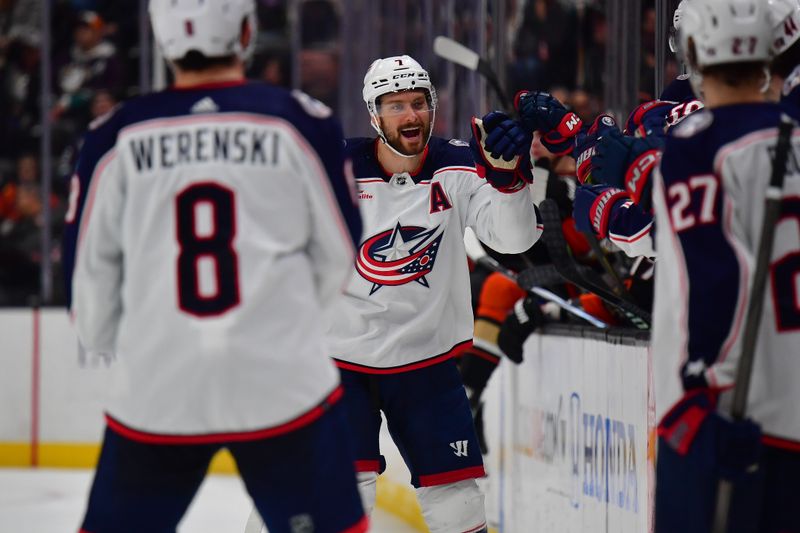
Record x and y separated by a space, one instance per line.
95 64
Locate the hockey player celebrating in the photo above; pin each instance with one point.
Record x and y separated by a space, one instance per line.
709 200
407 310
216 230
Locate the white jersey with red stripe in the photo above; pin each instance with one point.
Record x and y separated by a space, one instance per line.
216 227
709 205
408 303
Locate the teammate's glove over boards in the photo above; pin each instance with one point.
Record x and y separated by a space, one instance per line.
585 145
626 163
649 118
521 322
501 149
593 207
539 111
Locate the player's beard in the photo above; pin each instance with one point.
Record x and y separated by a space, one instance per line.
396 140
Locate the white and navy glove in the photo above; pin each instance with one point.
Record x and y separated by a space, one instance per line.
501 149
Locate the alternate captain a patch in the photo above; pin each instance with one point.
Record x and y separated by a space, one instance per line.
399 256
439 201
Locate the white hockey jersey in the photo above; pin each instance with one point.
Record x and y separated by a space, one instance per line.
217 228
709 205
408 302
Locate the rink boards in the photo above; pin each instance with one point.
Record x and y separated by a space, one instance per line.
569 429
570 433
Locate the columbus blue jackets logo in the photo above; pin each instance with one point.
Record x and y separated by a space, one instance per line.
399 256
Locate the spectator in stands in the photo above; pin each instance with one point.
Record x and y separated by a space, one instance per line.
648 61
18 18
594 55
585 105
319 22
272 23
273 67
21 233
27 173
19 95
319 73
92 64
545 51
19 275
103 101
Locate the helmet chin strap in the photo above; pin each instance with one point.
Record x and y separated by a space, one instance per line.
375 125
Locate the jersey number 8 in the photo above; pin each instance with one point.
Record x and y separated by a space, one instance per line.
208 270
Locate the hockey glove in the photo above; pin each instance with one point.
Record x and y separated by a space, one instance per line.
650 118
694 426
594 205
586 143
475 373
521 322
507 137
541 112
696 447
508 140
626 163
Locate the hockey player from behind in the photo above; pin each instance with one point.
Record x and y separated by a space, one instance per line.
785 68
407 309
216 230
709 197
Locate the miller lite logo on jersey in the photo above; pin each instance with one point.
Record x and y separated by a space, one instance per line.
398 256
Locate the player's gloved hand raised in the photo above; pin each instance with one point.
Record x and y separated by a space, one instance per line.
626 163
649 118
540 111
586 142
521 322
593 207
501 149
506 137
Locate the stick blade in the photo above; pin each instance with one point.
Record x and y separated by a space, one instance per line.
448 49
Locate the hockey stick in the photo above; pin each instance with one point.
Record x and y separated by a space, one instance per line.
476 252
617 285
588 281
457 53
772 211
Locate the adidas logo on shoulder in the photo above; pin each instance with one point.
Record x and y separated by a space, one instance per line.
205 105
